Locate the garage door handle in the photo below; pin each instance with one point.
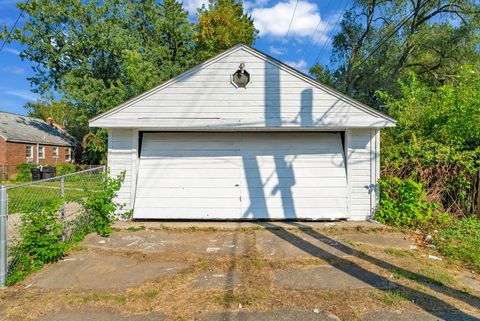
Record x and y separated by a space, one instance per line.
236 185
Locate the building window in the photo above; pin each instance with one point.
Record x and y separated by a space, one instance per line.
55 152
41 152
29 153
68 154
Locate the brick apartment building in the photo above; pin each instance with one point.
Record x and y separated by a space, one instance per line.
31 140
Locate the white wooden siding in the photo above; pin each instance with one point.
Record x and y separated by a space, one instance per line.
363 159
241 176
276 97
122 156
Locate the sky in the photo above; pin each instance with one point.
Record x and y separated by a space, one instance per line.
299 42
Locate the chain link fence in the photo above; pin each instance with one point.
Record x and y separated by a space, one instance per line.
19 201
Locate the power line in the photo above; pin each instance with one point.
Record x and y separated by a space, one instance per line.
13 27
340 17
327 8
386 38
291 20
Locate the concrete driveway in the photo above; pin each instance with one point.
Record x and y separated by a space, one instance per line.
247 271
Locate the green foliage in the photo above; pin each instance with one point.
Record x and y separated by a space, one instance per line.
43 236
435 42
98 54
461 241
437 138
24 172
63 169
404 203
222 25
95 145
40 241
448 114
100 205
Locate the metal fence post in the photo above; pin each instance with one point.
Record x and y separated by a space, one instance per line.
3 235
62 208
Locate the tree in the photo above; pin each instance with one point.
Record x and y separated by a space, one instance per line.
98 54
222 25
62 112
383 40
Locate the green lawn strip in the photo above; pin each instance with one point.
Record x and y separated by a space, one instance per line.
28 198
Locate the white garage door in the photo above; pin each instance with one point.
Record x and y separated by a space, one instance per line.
241 176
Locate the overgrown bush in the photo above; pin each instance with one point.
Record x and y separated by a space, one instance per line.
404 203
40 241
448 174
461 241
100 205
24 172
437 138
63 169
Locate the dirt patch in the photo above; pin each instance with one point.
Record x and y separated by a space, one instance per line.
217 280
101 316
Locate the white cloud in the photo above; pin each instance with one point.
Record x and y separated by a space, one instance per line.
13 70
24 94
300 65
192 5
277 51
275 20
11 50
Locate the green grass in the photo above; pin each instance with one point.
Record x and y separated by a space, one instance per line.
461 241
136 229
152 294
432 276
398 253
26 198
390 298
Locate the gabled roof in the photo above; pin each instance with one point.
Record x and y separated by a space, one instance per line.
386 120
23 129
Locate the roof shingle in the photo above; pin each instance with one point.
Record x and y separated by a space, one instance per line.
18 128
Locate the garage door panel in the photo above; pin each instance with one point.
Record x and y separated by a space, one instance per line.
164 173
187 213
315 192
286 172
280 201
199 146
190 153
192 162
187 192
289 182
187 182
240 175
297 161
192 202
288 213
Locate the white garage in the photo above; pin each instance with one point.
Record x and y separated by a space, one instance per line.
243 136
